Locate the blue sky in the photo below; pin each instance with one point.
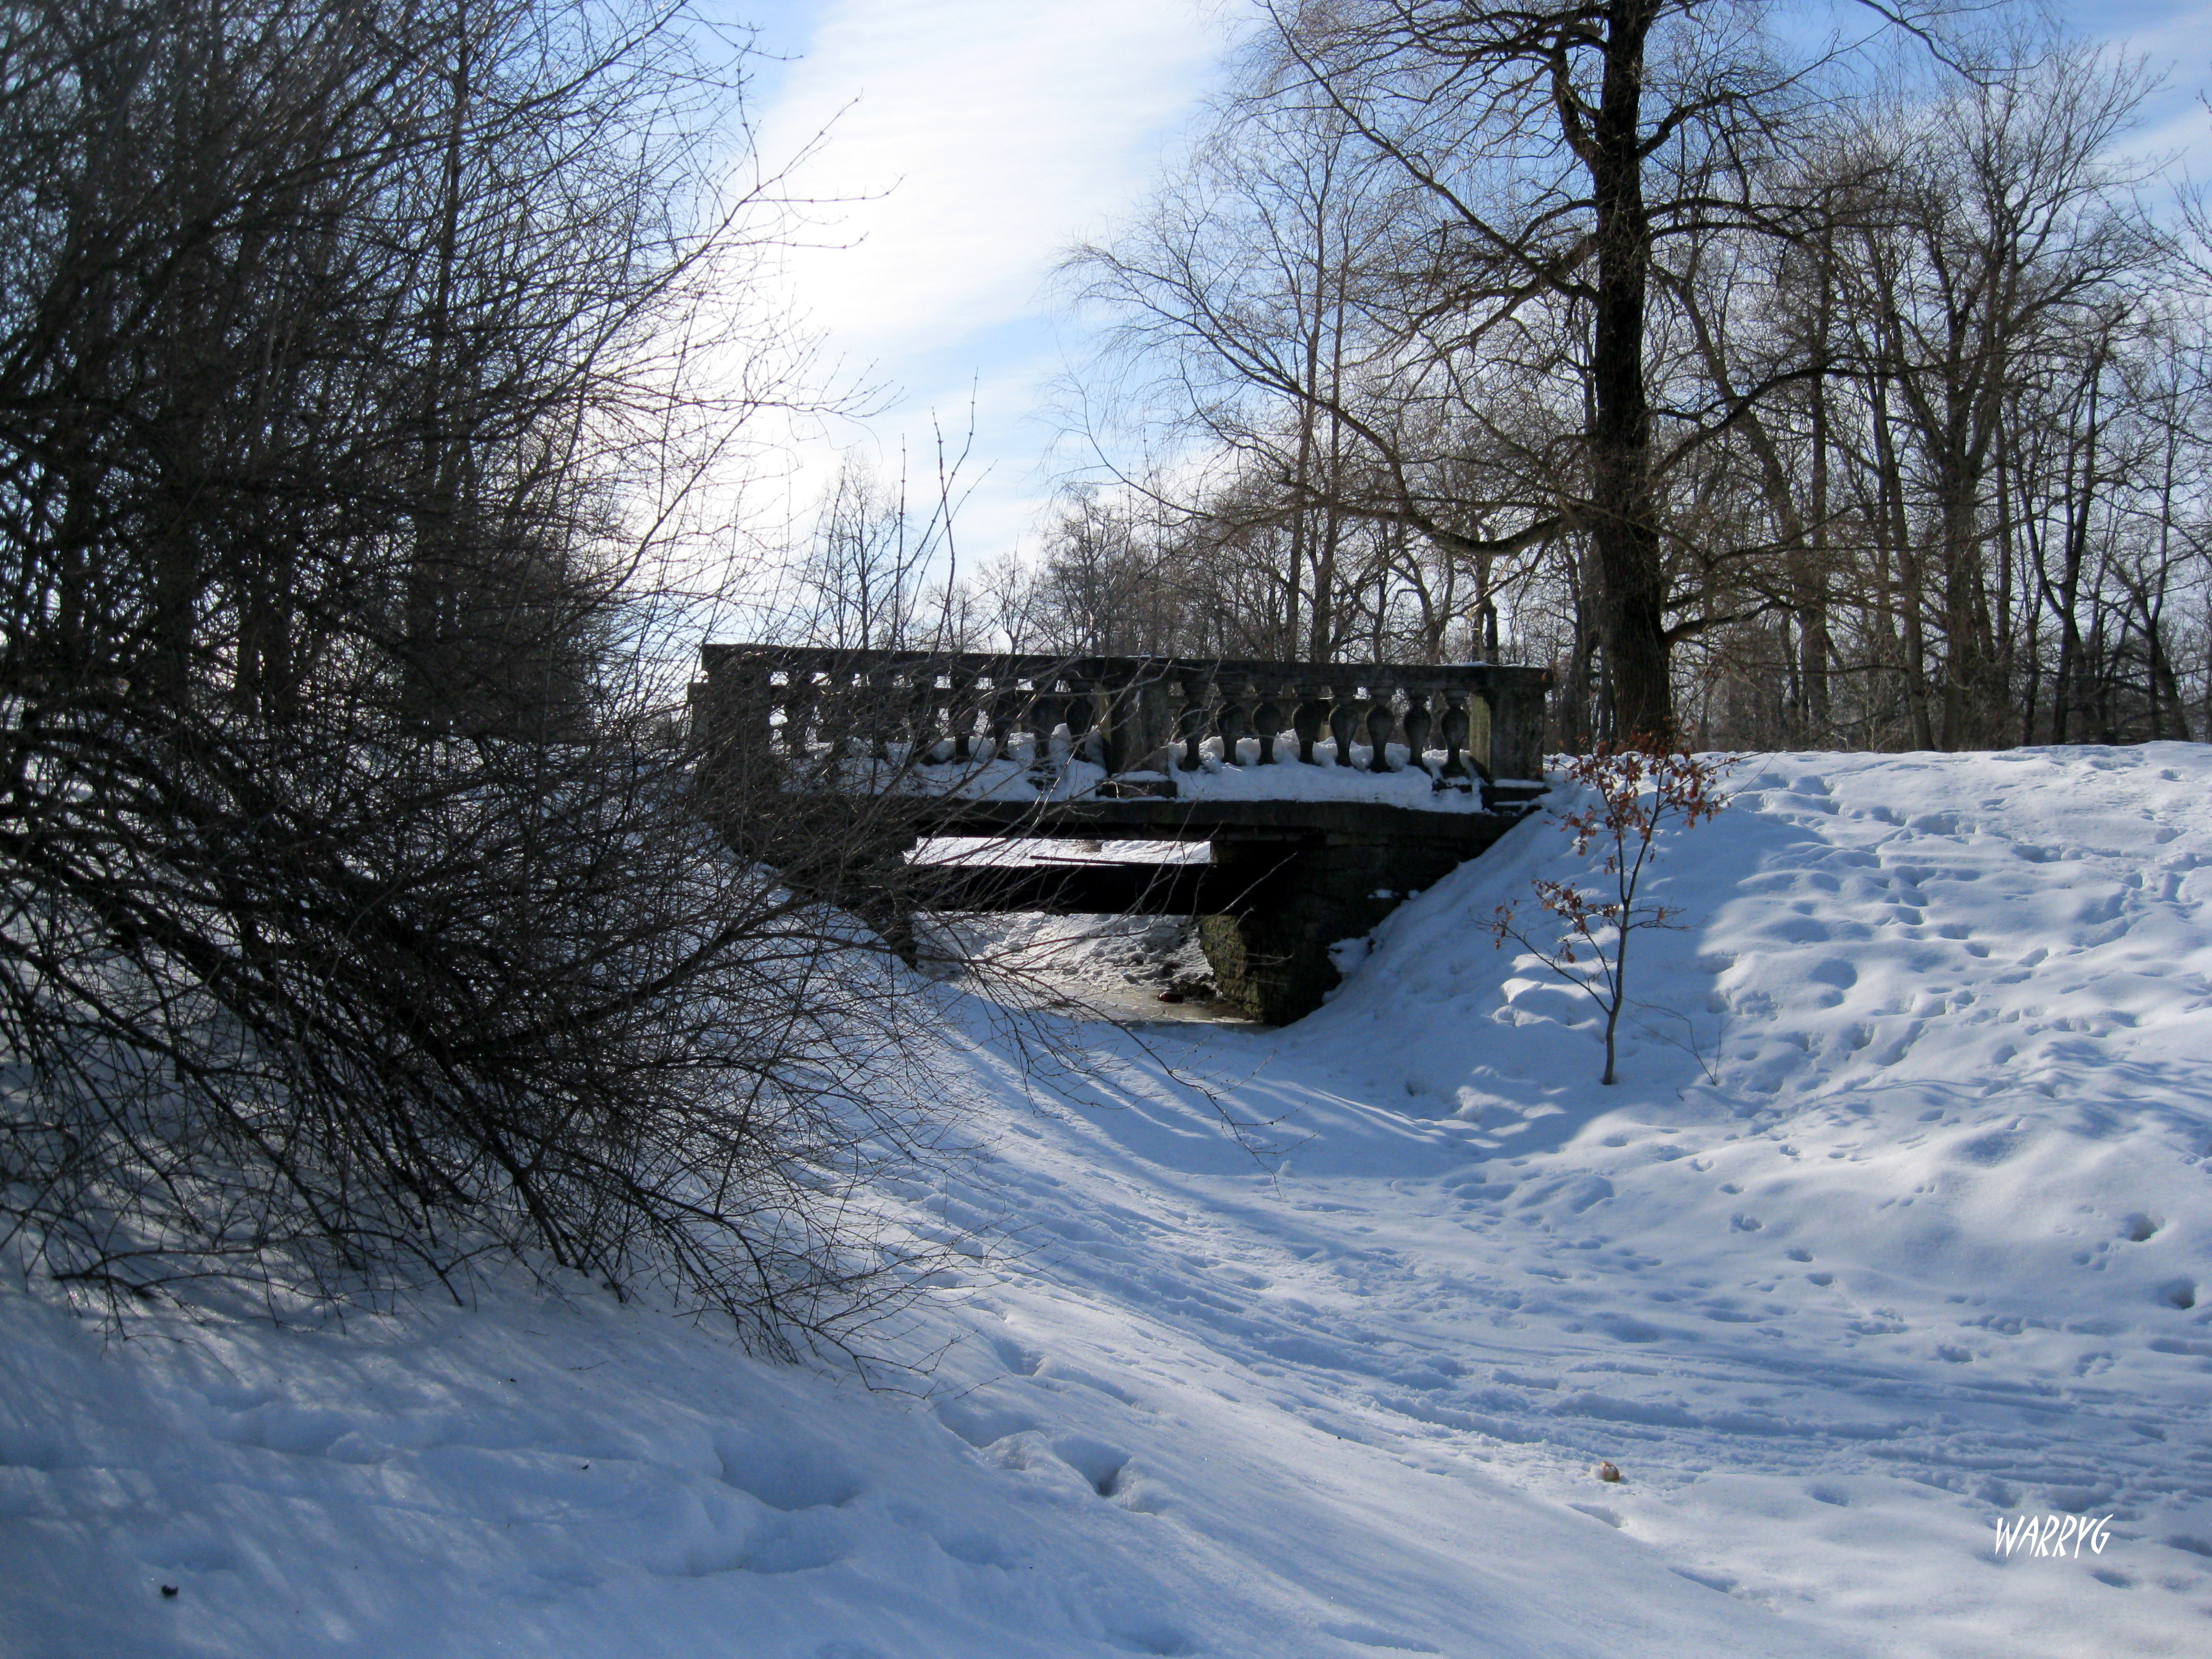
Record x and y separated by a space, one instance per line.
970 142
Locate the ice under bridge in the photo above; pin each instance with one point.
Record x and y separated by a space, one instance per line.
1325 792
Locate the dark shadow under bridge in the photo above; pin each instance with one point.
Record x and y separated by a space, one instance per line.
1326 792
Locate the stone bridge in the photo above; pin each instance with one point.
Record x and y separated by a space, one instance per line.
1328 791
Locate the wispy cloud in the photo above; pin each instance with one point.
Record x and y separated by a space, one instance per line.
967 144
2174 39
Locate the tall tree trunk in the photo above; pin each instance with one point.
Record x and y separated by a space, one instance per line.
1894 529
1623 529
1813 613
1965 656
2066 694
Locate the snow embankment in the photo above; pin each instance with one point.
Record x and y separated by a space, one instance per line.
1899 1225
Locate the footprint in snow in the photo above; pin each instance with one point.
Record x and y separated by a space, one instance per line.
1096 1460
1147 1636
980 1550
982 1418
784 1474
1021 1360
1373 1636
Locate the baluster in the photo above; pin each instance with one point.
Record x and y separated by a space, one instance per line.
1267 722
1307 721
854 727
833 716
913 714
1418 725
960 713
1002 710
1088 708
1454 733
1072 711
1044 718
942 723
990 721
874 715
1232 721
878 713
1069 703
1382 721
1110 720
798 706
1017 715
775 696
1343 724
1143 720
919 710
826 707
1190 722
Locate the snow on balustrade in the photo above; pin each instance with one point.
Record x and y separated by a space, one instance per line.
1023 728
1019 777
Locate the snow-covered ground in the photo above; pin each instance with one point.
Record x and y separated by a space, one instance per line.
1899 1226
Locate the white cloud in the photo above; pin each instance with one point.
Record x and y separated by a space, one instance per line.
2174 39
969 142
990 134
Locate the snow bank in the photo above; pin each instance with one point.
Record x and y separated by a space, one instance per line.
1899 1226
1928 1249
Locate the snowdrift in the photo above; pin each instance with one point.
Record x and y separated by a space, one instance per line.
1899 1227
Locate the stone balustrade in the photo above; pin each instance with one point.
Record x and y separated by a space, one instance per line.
1129 716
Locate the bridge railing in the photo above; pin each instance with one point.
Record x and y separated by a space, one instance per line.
1128 714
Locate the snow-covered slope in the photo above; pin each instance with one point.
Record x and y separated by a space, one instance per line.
1901 1225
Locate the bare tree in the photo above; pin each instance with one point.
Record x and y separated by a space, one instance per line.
863 574
1258 309
363 916
2012 240
1533 131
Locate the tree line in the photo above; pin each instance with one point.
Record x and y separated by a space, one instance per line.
1783 377
366 916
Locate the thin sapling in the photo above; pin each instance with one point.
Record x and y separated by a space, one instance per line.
1640 787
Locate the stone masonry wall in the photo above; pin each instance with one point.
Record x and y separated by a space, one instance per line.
1271 957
